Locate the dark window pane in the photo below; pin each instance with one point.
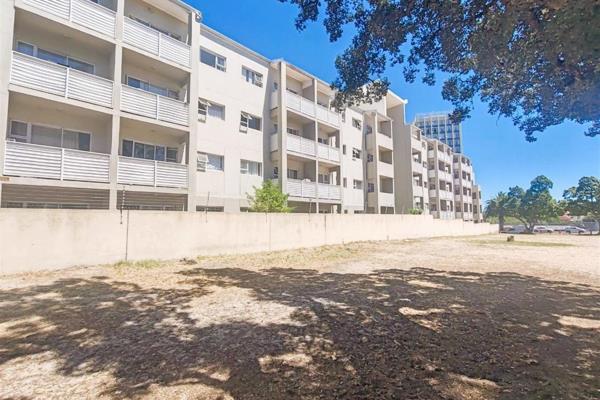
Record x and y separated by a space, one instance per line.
171 154
127 150
52 57
84 141
25 48
160 153
138 150
149 152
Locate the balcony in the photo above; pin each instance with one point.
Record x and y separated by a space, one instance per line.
330 192
443 214
329 153
385 169
417 166
136 171
299 188
328 116
151 105
48 77
301 145
386 199
384 140
37 161
300 104
418 190
157 43
84 13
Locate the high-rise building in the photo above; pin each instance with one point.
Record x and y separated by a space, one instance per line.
439 126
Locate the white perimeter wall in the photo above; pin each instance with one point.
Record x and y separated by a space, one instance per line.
32 240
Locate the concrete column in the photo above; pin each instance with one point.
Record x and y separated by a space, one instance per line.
282 126
116 118
194 94
7 23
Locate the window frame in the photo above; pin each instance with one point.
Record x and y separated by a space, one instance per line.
134 142
168 90
203 117
247 169
207 163
218 66
245 126
29 136
67 57
253 77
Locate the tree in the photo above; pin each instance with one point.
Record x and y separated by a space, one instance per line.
584 199
415 211
269 198
535 61
501 206
536 204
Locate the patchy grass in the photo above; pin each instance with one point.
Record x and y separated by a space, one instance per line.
293 258
141 264
518 243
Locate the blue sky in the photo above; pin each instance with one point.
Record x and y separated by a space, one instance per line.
499 152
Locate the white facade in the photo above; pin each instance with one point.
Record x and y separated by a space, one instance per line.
136 104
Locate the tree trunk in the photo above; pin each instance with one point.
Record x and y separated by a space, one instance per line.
501 221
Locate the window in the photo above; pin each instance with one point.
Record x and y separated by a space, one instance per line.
293 131
131 148
46 55
209 162
369 130
292 174
49 136
369 157
356 123
250 168
213 60
324 178
345 182
370 187
148 87
356 184
209 209
249 121
344 149
206 108
356 154
253 77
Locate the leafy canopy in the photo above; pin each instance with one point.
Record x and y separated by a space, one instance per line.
534 205
501 206
535 61
269 199
584 199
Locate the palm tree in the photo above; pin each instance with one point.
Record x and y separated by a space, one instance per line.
499 206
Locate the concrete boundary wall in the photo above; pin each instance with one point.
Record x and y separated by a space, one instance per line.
33 240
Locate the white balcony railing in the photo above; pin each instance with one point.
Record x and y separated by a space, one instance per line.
157 43
300 104
81 12
329 152
151 105
36 161
301 145
48 77
136 171
385 141
385 169
330 192
326 115
298 188
386 199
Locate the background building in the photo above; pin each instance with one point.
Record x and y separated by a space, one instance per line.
438 126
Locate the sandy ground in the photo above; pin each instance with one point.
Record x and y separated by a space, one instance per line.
449 318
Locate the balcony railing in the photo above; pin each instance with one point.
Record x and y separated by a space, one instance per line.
157 43
37 161
329 152
300 104
301 145
82 12
136 171
48 77
385 169
299 188
330 192
326 115
151 105
386 199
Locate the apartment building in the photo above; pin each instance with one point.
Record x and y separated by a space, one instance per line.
437 125
95 97
477 204
439 175
463 187
135 104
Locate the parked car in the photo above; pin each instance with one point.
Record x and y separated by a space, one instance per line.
574 229
542 229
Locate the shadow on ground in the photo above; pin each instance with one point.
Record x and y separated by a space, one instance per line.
392 334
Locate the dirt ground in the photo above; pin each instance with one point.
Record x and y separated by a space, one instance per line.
448 318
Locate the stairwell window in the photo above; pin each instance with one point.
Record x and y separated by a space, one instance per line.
250 168
210 109
371 187
356 154
356 184
213 60
248 121
210 162
356 123
252 77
